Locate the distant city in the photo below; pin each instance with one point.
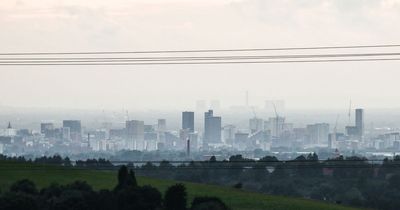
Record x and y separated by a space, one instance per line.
274 134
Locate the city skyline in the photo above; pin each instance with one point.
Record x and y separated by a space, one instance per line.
264 134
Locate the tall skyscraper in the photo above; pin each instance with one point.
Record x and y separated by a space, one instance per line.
360 122
134 134
75 129
212 128
161 129
188 121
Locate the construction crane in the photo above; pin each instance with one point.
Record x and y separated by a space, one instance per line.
276 121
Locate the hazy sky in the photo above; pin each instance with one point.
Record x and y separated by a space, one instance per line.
104 25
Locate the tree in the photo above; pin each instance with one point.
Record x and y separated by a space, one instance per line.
18 201
125 178
213 159
24 186
175 197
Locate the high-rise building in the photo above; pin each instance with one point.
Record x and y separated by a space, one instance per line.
188 121
357 131
212 128
66 133
183 137
360 122
228 132
161 129
47 129
193 141
134 134
75 129
276 126
318 133
46 126
255 124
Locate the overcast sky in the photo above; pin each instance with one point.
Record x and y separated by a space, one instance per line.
104 25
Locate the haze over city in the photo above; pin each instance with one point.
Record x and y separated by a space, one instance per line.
63 26
199 104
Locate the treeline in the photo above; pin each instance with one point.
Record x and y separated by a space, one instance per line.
60 161
352 181
126 195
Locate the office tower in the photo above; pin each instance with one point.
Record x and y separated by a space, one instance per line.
255 125
318 133
183 137
134 134
46 126
75 129
276 126
162 125
188 121
161 129
228 133
360 122
212 128
66 133
47 129
194 141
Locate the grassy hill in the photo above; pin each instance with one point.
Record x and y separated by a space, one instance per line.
43 175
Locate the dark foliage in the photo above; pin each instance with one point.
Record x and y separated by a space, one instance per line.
80 195
344 180
175 197
238 185
24 186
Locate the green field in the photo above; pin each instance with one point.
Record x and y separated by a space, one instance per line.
236 199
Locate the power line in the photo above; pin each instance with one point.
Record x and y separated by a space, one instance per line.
205 50
187 58
120 63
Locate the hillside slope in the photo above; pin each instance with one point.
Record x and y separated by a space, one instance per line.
237 199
